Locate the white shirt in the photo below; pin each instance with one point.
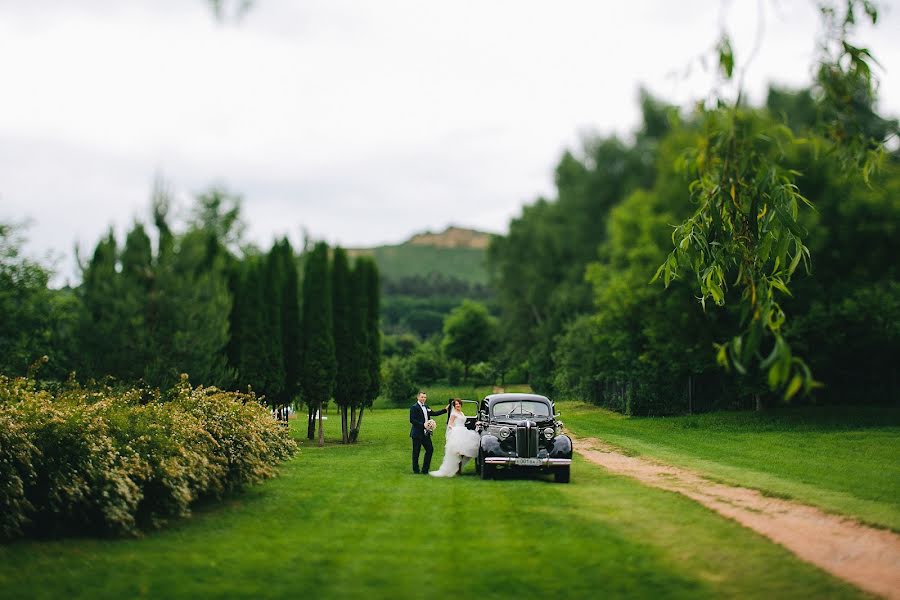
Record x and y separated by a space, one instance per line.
424 410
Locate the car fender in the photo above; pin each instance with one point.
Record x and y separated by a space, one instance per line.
562 447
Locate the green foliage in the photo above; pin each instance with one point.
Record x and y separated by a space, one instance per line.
191 327
258 333
469 335
399 386
855 339
319 366
290 320
455 371
746 226
153 317
638 351
400 344
34 321
370 282
116 461
847 88
342 315
359 384
426 363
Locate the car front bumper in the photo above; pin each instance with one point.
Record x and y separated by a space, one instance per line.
511 461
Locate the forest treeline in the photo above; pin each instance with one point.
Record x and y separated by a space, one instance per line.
292 327
579 313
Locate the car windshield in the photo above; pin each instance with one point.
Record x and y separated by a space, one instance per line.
521 408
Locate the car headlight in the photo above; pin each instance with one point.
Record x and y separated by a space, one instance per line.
504 433
548 433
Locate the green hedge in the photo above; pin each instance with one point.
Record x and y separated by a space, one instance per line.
118 461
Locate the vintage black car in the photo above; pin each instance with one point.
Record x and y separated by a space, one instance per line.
520 432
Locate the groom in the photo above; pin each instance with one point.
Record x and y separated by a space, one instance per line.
418 414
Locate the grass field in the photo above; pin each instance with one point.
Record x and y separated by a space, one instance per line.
406 260
353 522
845 460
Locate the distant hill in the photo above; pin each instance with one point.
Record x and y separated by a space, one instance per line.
456 253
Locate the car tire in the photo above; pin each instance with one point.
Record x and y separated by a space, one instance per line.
487 471
562 474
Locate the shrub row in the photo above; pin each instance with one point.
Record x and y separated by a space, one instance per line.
118 461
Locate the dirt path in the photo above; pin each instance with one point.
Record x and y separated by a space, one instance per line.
866 557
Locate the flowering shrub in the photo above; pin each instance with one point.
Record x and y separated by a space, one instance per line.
118 461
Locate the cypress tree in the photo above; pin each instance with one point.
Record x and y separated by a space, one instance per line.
319 365
370 284
254 352
373 328
271 308
358 379
135 284
290 323
343 350
98 326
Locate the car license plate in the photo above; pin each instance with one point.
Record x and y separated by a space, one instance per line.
528 462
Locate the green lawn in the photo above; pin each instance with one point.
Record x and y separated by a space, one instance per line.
844 460
353 522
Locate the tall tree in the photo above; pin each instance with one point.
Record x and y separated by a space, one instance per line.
290 322
469 334
358 378
368 280
99 326
135 285
342 315
272 308
259 348
319 365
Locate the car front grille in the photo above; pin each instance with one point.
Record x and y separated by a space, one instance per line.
527 440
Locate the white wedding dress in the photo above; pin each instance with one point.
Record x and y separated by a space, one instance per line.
460 445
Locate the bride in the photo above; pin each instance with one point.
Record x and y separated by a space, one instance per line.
460 445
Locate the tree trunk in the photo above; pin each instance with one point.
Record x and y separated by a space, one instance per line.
311 423
352 420
354 433
344 437
760 404
321 428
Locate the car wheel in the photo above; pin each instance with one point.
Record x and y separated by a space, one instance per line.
487 471
562 474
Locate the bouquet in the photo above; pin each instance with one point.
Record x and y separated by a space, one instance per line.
430 425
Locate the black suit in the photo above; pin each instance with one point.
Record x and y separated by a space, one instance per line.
420 437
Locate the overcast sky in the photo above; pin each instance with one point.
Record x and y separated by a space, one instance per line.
361 122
